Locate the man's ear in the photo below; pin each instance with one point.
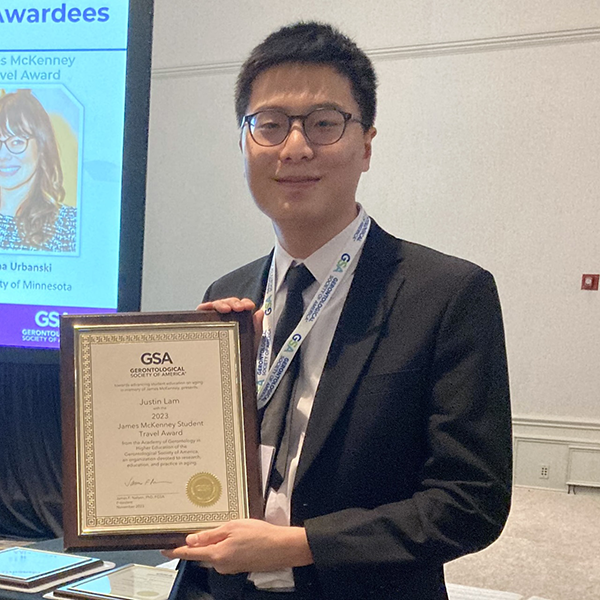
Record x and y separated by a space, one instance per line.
368 141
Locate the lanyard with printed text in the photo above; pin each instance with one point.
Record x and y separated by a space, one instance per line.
267 379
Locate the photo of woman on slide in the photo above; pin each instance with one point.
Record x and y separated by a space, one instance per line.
32 213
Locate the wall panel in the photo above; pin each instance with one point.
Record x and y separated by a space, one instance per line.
487 148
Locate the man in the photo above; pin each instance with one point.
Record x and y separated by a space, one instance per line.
397 448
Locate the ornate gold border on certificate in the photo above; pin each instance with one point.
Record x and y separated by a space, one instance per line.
88 338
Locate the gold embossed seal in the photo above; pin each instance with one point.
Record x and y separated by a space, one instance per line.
203 489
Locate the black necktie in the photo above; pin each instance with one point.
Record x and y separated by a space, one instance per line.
275 424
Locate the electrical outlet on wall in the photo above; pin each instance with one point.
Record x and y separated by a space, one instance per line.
544 471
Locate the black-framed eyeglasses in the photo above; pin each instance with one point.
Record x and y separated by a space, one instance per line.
15 144
323 126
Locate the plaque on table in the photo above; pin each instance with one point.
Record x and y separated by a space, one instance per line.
131 582
159 427
26 568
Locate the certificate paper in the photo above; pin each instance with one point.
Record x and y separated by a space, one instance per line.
158 427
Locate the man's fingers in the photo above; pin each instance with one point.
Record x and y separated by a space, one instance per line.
205 306
206 538
201 546
227 305
234 304
202 553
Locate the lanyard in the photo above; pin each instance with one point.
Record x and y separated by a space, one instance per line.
267 379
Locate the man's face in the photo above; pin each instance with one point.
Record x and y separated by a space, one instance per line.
298 184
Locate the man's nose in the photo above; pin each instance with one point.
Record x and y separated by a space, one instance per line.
296 146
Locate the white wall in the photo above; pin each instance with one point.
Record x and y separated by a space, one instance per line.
488 148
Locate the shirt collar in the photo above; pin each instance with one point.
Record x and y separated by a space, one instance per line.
320 262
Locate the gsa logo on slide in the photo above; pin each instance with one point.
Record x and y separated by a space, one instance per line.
43 318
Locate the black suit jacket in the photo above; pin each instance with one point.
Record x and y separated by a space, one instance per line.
406 462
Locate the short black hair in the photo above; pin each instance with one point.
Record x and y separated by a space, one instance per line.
311 43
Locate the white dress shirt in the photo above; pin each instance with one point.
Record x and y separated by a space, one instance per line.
315 348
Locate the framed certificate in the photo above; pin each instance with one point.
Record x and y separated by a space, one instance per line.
131 582
159 427
27 568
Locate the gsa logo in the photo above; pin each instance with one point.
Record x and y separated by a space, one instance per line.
156 358
293 343
269 305
342 263
43 318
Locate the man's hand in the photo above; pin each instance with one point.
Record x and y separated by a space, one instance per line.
247 545
227 305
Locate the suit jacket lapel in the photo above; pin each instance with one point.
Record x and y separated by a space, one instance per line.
361 323
255 287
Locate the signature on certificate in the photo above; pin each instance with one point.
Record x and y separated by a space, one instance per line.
132 482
